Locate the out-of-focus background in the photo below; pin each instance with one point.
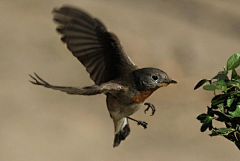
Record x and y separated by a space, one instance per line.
189 39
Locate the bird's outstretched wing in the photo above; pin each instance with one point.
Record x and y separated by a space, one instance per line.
88 90
96 48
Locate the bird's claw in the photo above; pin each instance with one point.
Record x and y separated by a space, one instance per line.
143 124
150 106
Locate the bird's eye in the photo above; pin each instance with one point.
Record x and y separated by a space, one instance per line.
154 77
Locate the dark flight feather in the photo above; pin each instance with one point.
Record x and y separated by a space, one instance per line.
96 48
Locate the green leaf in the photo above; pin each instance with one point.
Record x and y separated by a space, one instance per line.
221 116
214 133
234 74
238 129
206 120
232 82
230 101
211 87
210 111
233 61
207 124
202 117
223 72
224 88
222 82
228 124
225 131
235 113
218 99
226 84
220 106
204 127
221 77
200 83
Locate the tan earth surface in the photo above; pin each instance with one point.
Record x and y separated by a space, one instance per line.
190 40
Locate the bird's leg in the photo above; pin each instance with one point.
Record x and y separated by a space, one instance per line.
142 123
150 106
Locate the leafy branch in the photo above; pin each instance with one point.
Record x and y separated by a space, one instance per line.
225 106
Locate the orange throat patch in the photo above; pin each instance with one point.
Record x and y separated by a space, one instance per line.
143 95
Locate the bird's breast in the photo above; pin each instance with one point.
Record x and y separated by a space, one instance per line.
141 96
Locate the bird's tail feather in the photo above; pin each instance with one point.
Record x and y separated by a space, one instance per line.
122 130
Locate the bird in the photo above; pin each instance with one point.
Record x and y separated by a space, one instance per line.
114 74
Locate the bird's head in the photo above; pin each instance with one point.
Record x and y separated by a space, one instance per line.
151 78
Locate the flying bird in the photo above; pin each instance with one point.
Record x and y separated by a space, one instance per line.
125 85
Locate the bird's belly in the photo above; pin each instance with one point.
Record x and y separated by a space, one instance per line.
131 109
119 109
124 111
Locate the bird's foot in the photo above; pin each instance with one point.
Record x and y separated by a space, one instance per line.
142 123
150 106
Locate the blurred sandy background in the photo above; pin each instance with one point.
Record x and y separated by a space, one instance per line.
190 40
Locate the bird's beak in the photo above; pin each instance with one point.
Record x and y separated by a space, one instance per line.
173 81
167 82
